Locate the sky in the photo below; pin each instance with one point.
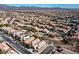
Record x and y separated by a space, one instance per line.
48 5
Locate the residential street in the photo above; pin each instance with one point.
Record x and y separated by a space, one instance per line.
17 47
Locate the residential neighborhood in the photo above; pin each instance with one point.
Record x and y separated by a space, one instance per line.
39 32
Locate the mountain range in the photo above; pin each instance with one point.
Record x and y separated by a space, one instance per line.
4 7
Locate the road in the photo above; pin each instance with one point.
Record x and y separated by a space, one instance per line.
17 47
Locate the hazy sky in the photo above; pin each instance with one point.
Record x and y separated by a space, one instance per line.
48 5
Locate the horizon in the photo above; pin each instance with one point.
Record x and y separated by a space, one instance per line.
46 5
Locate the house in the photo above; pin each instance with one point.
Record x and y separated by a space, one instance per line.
6 21
30 33
18 33
57 38
77 33
1 46
4 47
36 28
52 34
42 45
39 47
29 40
48 50
35 41
72 38
46 30
11 52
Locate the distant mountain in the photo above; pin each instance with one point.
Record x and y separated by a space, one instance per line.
4 7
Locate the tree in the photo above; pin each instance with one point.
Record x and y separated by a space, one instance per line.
1 52
65 41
